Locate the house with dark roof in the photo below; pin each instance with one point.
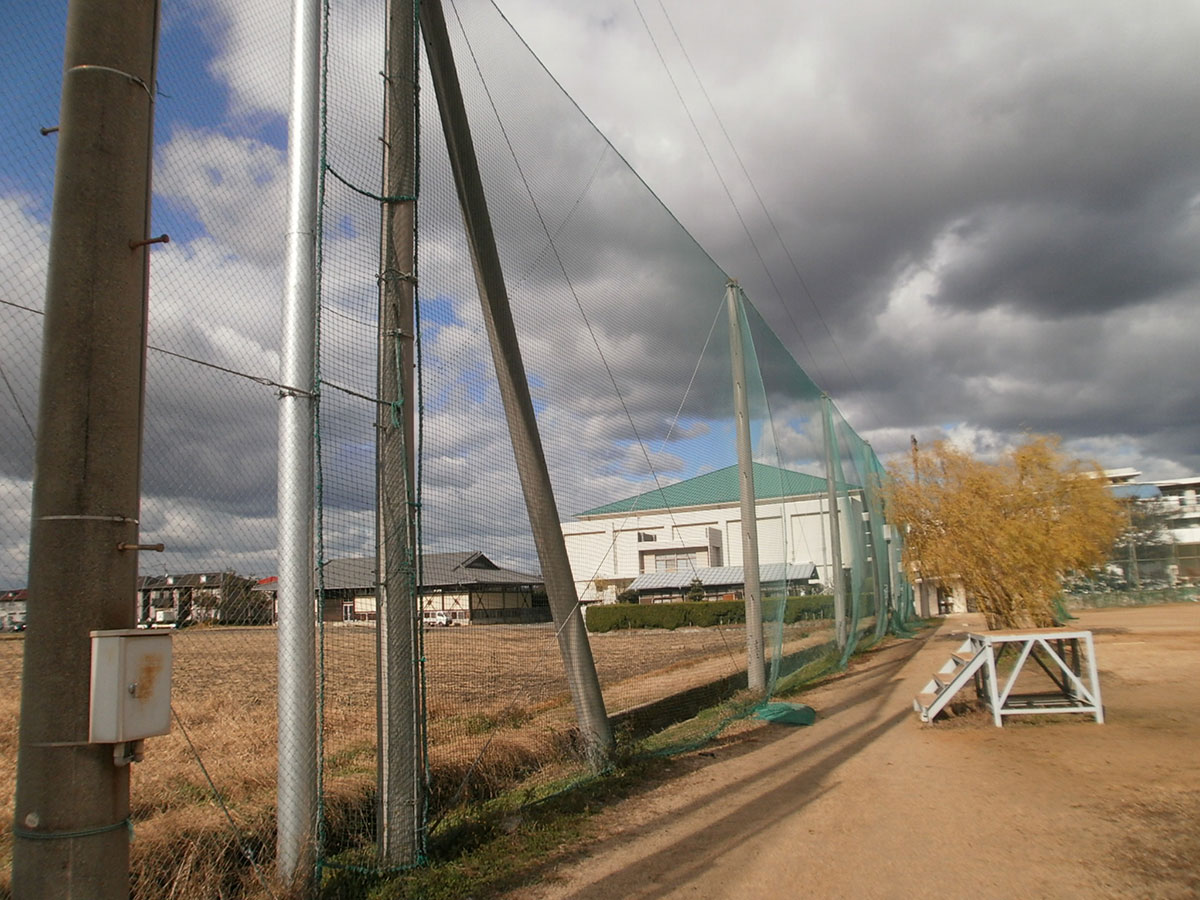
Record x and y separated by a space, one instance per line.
224 598
693 525
12 609
455 588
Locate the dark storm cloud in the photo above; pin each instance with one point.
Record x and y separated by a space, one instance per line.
1053 260
994 208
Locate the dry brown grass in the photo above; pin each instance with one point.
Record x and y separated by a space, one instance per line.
498 711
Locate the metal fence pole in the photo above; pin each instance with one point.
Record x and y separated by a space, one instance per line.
297 738
756 678
835 526
72 800
401 763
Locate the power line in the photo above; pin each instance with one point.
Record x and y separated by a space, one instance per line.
257 379
720 177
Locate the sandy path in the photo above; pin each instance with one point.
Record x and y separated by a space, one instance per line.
869 802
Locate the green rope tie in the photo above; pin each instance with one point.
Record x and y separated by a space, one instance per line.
402 198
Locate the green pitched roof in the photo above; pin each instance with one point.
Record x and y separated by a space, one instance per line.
717 488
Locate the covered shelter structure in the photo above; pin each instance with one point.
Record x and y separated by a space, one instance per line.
724 582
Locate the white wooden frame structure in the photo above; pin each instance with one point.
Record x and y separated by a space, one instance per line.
1062 663
1062 660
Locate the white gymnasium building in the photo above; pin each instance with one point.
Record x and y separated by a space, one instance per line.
696 525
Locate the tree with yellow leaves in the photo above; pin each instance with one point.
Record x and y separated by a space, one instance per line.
1008 530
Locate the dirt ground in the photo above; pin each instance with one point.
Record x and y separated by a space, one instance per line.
869 802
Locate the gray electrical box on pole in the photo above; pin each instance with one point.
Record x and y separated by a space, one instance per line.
71 815
756 678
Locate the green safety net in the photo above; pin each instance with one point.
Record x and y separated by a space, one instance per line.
623 321
624 330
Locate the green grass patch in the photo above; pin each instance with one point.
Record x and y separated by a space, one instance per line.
508 842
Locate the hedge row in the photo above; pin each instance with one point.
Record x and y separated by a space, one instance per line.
702 614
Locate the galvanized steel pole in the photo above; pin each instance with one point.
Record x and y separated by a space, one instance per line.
297 738
756 678
879 549
71 822
514 390
835 527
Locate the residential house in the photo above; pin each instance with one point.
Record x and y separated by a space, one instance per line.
12 609
213 597
456 588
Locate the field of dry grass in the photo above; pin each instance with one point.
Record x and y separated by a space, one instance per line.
495 688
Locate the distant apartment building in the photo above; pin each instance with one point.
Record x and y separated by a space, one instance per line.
202 597
1176 500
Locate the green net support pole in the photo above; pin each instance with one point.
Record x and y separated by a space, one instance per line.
401 761
835 530
756 678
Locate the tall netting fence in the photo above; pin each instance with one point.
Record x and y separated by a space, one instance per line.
631 355
203 798
624 327
25 196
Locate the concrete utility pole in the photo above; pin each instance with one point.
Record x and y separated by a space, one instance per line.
835 527
514 390
71 822
756 677
297 653
401 761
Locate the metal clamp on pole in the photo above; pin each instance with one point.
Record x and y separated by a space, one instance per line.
157 548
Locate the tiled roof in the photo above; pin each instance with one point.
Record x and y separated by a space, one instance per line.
722 576
437 570
717 488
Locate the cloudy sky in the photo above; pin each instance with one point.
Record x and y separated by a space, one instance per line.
978 220
995 206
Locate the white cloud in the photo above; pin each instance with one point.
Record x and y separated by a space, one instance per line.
234 187
994 210
253 55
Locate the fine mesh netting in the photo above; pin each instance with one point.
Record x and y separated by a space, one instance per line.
631 356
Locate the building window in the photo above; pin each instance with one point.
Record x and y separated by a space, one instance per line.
687 560
645 537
